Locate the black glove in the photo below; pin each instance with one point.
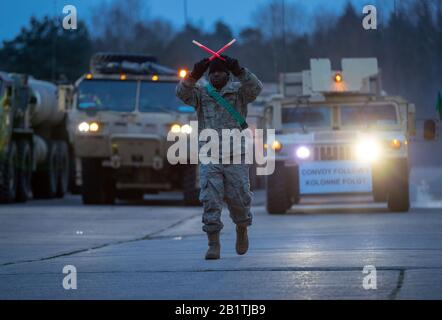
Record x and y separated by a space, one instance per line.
199 68
233 65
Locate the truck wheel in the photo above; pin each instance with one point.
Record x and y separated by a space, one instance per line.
98 186
293 184
379 182
189 182
24 171
62 168
399 193
278 198
44 181
8 185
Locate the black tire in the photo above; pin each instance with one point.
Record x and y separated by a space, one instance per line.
63 171
380 183
189 184
131 195
73 187
398 187
45 180
98 185
278 196
24 171
8 183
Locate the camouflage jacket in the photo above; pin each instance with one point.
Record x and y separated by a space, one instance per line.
210 113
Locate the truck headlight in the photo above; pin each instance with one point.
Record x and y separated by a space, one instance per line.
94 127
176 128
83 127
368 150
303 152
186 129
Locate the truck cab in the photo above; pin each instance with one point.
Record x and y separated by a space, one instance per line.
121 115
338 132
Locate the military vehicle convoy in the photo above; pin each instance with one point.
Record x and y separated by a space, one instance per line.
338 132
121 115
34 143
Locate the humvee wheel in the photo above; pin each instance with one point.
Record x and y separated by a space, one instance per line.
189 183
8 185
399 193
278 198
98 185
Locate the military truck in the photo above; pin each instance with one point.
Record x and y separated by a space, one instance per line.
338 132
122 111
34 144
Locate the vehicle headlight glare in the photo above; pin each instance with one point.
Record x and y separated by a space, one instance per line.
368 150
176 128
94 127
303 152
186 129
83 127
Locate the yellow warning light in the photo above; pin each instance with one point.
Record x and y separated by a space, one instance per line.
182 73
123 77
338 78
155 77
276 145
89 76
395 144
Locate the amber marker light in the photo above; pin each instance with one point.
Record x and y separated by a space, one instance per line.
395 144
89 76
123 77
155 77
338 78
182 73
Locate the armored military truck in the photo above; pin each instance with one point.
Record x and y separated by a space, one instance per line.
338 132
34 143
123 111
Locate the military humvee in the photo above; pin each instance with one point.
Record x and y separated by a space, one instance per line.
338 132
121 115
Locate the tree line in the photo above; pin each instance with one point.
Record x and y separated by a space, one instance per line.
407 43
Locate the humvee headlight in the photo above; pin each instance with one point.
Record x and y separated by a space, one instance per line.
83 127
176 128
182 73
186 129
303 152
368 150
94 127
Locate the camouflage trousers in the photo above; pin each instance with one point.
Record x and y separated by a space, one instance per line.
225 183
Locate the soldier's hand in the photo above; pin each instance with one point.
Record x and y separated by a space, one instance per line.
199 68
232 65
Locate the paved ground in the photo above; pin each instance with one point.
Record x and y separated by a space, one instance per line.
155 249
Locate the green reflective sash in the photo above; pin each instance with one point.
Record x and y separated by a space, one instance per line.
226 105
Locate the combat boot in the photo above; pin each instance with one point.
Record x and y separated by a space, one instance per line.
242 240
214 246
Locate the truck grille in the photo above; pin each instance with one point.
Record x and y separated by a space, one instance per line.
332 152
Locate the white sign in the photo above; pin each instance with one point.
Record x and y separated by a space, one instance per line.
335 177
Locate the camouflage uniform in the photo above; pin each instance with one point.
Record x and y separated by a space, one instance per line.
222 182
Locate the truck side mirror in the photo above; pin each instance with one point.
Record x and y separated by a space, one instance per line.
430 130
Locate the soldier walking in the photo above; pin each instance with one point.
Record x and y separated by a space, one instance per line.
222 104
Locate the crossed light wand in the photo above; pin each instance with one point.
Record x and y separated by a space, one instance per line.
217 53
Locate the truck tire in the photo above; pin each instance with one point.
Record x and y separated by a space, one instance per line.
379 183
398 187
278 197
44 181
8 183
189 183
62 169
24 171
293 184
98 186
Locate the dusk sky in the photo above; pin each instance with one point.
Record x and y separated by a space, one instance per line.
15 14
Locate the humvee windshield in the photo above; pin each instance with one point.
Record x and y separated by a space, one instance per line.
158 97
376 115
111 95
306 117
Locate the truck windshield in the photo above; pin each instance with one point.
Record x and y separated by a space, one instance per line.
369 115
306 117
159 97
111 95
